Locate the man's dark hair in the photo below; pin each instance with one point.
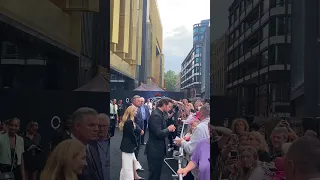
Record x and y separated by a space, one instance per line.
164 101
304 152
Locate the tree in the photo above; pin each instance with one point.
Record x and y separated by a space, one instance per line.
171 78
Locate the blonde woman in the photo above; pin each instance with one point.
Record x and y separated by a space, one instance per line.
239 126
256 140
248 167
65 162
128 145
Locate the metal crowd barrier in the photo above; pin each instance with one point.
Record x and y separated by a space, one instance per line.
177 155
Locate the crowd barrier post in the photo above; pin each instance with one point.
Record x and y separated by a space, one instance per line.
177 155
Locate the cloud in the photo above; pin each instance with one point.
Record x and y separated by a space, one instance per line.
177 46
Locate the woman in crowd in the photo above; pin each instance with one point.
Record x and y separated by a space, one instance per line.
239 126
256 140
11 151
32 150
248 166
128 145
66 161
200 159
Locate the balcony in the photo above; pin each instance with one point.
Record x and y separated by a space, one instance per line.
77 5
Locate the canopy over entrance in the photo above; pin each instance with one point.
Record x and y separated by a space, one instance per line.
100 83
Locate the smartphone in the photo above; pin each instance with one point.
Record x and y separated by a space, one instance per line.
234 154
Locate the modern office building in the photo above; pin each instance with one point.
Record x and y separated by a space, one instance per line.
191 66
218 66
259 56
305 69
58 55
135 44
205 64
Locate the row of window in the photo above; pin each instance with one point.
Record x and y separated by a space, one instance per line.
275 54
199 29
198 38
277 25
265 5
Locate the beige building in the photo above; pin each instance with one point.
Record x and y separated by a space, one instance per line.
126 41
218 66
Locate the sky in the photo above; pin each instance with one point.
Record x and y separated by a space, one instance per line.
178 18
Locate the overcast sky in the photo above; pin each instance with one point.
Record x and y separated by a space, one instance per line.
178 18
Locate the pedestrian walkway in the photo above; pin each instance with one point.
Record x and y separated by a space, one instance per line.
115 159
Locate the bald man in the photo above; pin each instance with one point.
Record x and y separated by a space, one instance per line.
302 161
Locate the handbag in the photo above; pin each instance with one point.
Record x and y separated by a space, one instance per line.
8 175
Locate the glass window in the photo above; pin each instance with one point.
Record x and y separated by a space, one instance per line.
231 19
240 28
201 38
202 29
264 59
195 30
236 12
198 50
196 38
241 7
289 25
197 60
241 50
265 5
272 54
265 31
280 53
280 26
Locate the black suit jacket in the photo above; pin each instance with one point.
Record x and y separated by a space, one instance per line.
94 168
128 142
156 145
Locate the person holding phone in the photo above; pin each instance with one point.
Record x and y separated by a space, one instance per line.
32 151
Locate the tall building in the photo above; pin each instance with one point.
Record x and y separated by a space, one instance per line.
205 65
305 71
259 56
39 55
135 44
218 66
191 66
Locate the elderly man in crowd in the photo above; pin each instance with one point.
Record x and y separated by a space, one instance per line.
201 132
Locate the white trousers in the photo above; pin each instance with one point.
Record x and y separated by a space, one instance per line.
129 165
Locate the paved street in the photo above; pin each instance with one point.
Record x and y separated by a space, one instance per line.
116 159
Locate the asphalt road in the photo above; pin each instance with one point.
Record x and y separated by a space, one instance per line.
116 160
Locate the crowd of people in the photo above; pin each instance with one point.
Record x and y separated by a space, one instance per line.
162 119
78 151
248 152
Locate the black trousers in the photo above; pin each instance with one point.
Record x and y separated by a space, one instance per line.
144 129
155 167
136 151
112 126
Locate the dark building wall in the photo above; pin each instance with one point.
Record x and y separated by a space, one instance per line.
219 9
305 65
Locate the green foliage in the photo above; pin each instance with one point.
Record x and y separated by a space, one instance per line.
170 77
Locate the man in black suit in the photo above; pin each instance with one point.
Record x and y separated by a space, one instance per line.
158 131
136 101
144 114
85 126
